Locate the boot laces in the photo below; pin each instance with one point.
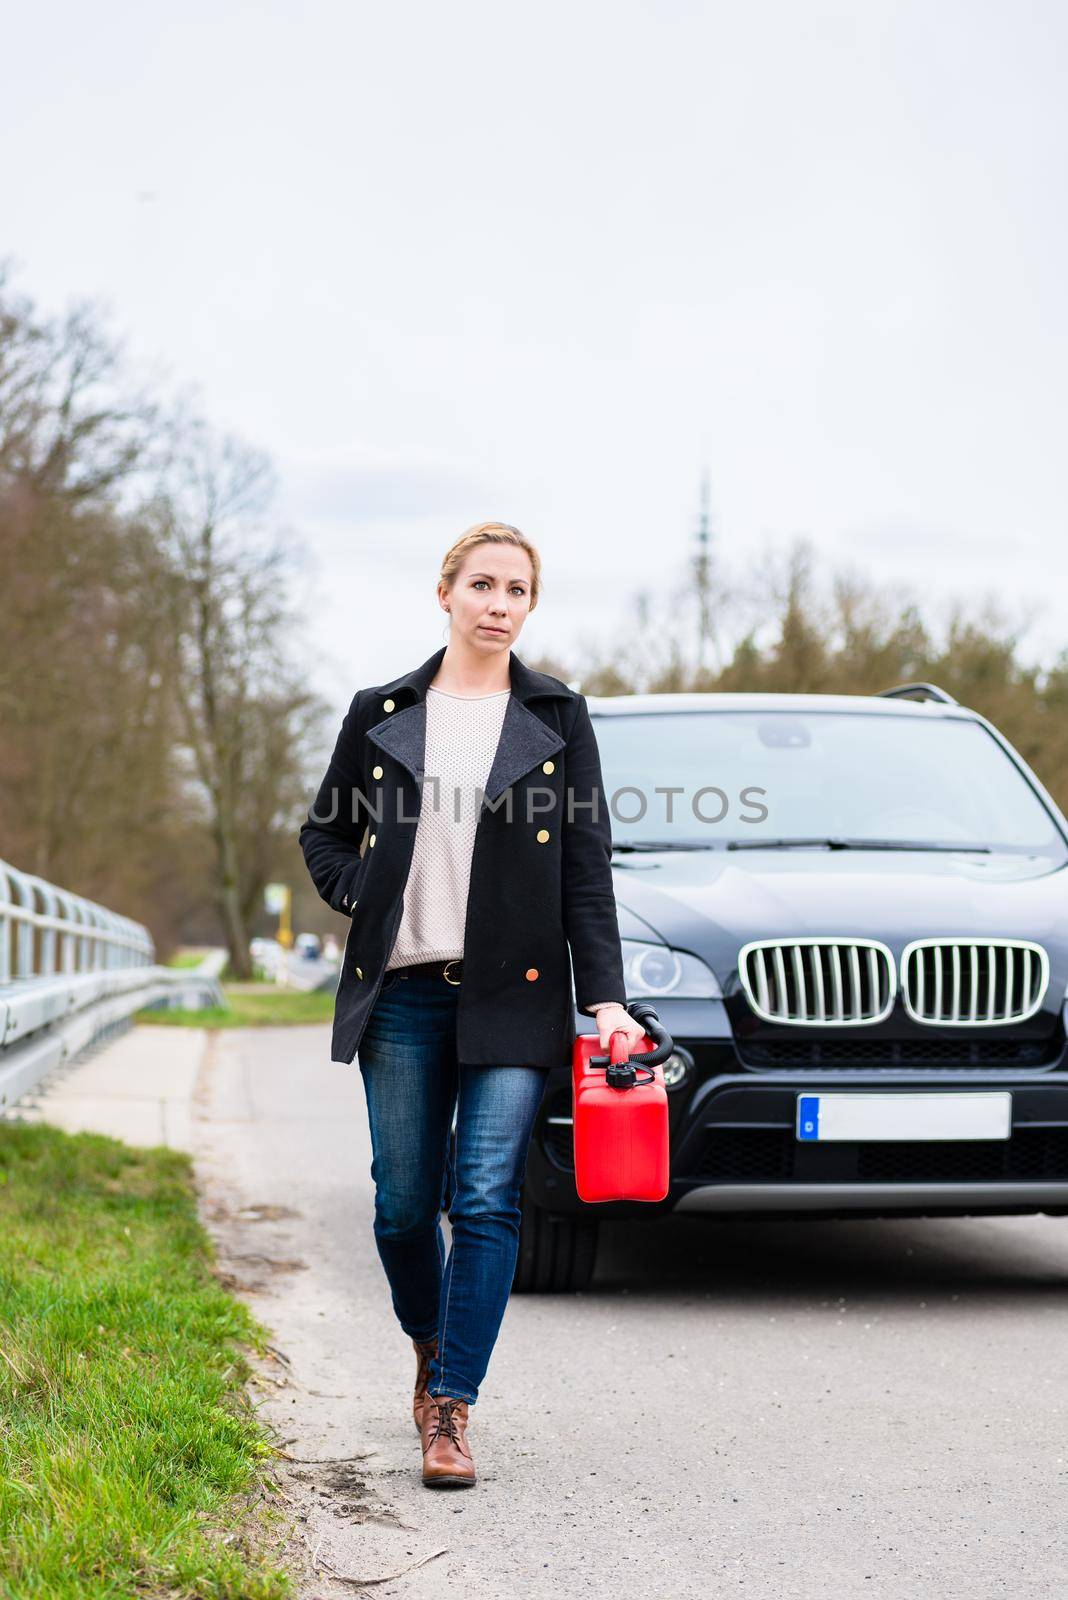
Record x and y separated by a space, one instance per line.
444 1421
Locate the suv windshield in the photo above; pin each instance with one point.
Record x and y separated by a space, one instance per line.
816 777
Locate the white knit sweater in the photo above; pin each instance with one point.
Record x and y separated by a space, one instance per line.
462 734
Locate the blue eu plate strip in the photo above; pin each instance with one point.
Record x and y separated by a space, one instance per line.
808 1116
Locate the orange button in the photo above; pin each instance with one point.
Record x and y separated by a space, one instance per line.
532 973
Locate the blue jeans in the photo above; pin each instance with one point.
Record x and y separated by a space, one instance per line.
413 1082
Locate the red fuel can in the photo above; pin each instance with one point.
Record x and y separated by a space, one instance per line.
619 1114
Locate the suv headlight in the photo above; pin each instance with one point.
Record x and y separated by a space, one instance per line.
650 970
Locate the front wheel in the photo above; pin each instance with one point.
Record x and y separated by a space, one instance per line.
555 1253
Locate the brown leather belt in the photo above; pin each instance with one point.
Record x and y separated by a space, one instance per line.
451 971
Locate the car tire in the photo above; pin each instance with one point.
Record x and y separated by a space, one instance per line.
555 1253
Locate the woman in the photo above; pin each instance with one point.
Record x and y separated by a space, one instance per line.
462 825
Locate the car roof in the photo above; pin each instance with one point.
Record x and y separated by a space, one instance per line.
875 705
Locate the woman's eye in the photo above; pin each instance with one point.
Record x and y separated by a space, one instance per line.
517 588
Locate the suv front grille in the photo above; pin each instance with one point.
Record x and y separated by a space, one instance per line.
818 982
973 983
843 1055
771 1155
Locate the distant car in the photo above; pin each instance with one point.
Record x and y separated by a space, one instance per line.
308 946
267 954
861 956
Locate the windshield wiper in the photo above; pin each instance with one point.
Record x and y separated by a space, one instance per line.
667 844
853 844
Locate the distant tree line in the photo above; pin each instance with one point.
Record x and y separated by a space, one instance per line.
773 623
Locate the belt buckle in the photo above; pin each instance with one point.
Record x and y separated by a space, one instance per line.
455 962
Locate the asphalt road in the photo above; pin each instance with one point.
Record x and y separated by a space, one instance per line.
807 1409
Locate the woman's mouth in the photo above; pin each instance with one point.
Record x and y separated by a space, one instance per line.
488 628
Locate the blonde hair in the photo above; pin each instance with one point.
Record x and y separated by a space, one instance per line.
491 533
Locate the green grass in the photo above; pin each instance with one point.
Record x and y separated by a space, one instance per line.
187 958
130 1455
250 1006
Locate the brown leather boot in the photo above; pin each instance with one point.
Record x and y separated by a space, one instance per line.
422 1377
447 1460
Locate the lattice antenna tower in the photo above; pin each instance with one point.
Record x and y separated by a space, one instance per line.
703 575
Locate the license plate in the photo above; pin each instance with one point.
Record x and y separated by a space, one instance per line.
979 1115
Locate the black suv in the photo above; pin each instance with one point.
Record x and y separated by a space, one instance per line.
851 914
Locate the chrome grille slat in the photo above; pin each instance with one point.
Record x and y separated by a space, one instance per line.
839 1005
1008 979
799 979
798 992
1009 986
973 968
762 979
781 1001
854 973
817 978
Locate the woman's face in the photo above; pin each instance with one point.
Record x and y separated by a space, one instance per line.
490 597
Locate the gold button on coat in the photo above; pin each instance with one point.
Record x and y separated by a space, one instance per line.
376 772
359 972
387 705
548 766
371 841
543 835
532 973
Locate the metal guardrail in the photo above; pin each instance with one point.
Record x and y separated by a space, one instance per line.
70 968
45 930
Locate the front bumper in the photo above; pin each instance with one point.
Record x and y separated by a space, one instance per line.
734 1148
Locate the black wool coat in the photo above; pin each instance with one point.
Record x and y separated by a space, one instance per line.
540 904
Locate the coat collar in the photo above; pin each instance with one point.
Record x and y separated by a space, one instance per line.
526 683
525 739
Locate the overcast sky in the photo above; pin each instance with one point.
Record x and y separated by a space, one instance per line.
448 262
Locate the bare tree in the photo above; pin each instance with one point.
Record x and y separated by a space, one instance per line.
245 718
71 425
80 693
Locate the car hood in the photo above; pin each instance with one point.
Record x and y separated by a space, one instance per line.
712 902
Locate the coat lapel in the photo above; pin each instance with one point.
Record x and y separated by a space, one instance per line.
403 736
525 739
